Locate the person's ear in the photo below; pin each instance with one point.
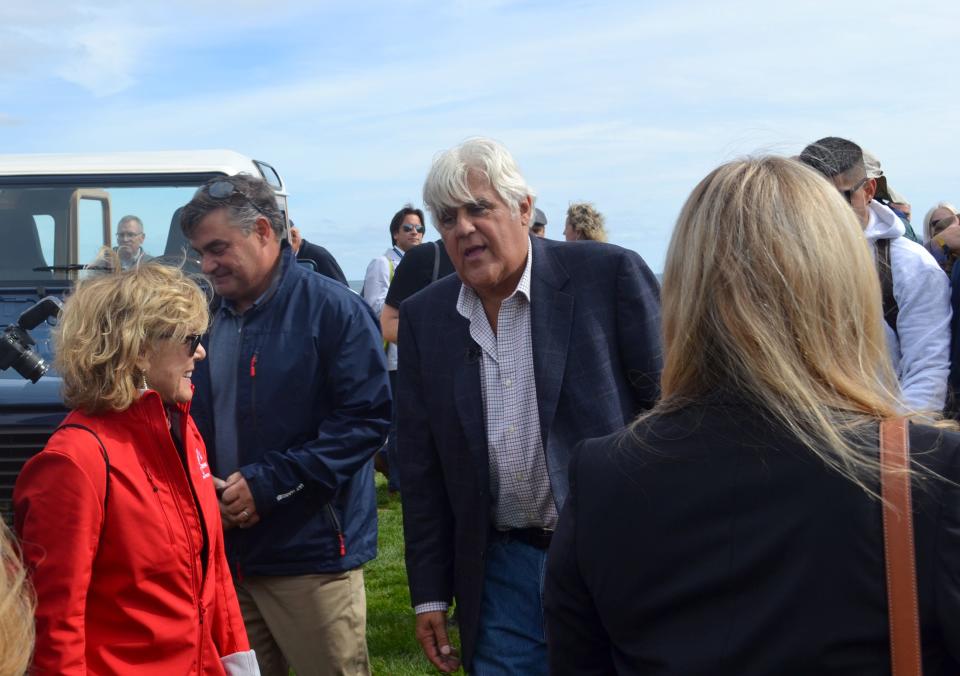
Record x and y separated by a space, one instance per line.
263 228
143 360
870 188
526 210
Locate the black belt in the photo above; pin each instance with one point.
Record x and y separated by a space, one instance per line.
535 537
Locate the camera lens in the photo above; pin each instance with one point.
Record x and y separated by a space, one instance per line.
31 366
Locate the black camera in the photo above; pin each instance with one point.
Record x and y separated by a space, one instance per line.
16 345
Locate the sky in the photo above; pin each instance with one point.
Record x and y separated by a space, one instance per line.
624 104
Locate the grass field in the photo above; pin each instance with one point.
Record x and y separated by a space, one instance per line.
393 649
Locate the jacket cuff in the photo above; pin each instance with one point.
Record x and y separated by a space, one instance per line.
260 489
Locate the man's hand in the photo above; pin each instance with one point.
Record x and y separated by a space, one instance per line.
237 507
431 632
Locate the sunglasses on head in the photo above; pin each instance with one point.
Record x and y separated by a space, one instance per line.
407 227
224 189
848 194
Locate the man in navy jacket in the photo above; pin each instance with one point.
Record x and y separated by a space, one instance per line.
533 346
293 402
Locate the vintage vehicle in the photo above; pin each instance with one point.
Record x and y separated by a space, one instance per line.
56 213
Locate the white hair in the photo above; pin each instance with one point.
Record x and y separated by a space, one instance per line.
927 236
446 186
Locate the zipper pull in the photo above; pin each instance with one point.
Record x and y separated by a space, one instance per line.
153 484
253 366
343 544
202 613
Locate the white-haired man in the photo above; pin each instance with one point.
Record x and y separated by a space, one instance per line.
531 347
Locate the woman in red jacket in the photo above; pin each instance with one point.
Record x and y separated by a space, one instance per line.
118 516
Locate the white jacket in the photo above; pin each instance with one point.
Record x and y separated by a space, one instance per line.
376 283
920 348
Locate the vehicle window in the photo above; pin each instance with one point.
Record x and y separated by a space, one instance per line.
269 174
45 231
37 224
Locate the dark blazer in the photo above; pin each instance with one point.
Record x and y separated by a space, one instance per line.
595 318
713 543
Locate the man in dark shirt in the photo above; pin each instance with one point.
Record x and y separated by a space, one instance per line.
420 266
317 258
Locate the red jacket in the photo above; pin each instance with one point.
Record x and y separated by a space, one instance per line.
141 601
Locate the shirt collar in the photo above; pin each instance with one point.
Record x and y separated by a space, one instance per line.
468 298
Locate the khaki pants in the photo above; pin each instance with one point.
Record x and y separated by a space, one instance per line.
315 624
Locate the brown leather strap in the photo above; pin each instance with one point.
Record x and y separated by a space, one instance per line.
898 548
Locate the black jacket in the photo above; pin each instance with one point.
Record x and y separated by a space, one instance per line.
321 261
713 543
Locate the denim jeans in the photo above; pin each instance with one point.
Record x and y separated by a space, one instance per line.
510 639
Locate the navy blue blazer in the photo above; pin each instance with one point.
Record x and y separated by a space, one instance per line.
595 318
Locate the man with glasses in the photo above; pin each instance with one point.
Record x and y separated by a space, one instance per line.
293 401
130 236
406 232
915 291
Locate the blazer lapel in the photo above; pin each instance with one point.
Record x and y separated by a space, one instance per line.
468 398
551 319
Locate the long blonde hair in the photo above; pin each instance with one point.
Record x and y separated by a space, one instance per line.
110 320
770 293
16 608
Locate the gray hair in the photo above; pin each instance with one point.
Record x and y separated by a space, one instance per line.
130 218
252 198
446 186
929 217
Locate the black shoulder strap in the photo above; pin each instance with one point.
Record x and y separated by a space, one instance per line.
103 450
885 270
436 262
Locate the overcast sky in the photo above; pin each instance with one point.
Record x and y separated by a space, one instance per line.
626 104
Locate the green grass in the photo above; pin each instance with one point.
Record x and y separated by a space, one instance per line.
393 649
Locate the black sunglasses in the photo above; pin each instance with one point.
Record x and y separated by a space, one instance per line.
410 228
848 194
224 189
193 341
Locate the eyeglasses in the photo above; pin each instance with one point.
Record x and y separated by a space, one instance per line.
224 189
848 194
193 341
128 235
407 227
938 226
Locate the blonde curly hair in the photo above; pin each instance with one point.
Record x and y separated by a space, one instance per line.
16 608
586 221
111 320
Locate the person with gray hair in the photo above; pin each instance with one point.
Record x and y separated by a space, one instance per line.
531 347
130 236
293 402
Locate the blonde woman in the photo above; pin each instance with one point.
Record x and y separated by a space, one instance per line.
735 529
584 222
16 609
118 516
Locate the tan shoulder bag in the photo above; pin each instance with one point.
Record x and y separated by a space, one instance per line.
905 655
